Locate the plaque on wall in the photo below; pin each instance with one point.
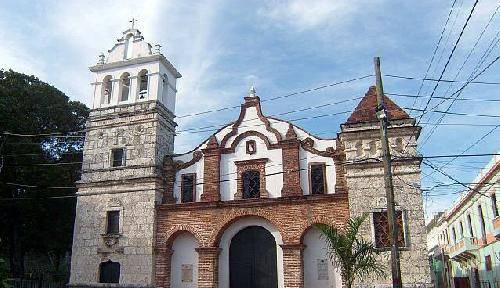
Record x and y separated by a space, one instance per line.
322 266
187 273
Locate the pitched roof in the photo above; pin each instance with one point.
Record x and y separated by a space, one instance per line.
365 111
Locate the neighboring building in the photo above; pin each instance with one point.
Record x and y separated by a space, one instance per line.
463 242
238 210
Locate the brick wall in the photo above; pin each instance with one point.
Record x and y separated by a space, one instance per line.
208 221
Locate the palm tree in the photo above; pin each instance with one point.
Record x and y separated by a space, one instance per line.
355 257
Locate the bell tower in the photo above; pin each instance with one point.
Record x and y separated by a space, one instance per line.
129 131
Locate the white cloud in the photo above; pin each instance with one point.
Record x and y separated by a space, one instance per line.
309 14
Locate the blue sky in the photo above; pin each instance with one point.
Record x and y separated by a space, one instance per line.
222 47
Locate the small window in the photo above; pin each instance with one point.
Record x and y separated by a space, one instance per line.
461 230
251 147
251 184
487 262
113 222
494 204
359 149
109 272
453 235
469 223
143 84
118 158
125 82
381 227
318 179
188 188
481 221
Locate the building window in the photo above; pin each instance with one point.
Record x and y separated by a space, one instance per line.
461 230
481 221
117 157
251 147
469 224
188 188
107 90
125 86
251 184
143 84
494 204
487 262
453 235
109 272
113 222
317 178
447 236
381 227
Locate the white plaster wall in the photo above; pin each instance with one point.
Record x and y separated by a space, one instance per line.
225 242
308 157
228 169
251 121
184 253
139 49
316 249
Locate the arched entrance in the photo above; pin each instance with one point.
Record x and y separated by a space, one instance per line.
252 259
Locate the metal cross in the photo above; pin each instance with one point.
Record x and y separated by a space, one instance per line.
133 22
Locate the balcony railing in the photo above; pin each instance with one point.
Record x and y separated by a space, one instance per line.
463 249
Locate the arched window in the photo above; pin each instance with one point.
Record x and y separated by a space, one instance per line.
251 184
107 90
143 84
125 86
109 272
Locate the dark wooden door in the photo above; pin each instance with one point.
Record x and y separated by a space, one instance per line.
252 259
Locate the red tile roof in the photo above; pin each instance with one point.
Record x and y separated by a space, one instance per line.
365 112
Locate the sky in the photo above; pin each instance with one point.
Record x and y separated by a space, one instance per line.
223 47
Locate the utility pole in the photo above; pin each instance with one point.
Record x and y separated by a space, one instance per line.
389 188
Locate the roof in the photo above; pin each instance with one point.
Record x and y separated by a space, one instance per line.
365 111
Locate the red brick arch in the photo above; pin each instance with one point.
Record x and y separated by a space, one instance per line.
217 236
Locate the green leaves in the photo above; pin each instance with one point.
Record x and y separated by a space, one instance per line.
355 257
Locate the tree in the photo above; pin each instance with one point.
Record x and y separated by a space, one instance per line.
37 224
355 257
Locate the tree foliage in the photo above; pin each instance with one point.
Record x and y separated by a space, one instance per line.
355 257
37 224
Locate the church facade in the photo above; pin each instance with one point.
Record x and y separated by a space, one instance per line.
240 209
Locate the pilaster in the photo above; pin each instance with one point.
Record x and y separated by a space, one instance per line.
208 267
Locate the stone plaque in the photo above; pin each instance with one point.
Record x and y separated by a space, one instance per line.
187 273
322 269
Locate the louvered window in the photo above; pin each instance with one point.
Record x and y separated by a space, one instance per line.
381 225
188 188
318 180
113 225
251 184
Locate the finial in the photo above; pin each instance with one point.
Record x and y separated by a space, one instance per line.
133 22
252 92
158 49
101 58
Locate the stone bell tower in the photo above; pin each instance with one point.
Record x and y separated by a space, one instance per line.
360 136
129 131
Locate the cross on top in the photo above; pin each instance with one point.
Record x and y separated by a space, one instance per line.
133 22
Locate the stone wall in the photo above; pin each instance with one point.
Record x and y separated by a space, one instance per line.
145 131
366 190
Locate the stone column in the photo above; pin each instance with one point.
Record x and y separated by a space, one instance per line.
162 267
211 171
291 164
208 267
293 267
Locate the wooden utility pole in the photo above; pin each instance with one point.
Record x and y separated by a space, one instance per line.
389 188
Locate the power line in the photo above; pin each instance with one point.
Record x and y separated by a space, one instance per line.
277 97
446 98
455 113
449 58
440 80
